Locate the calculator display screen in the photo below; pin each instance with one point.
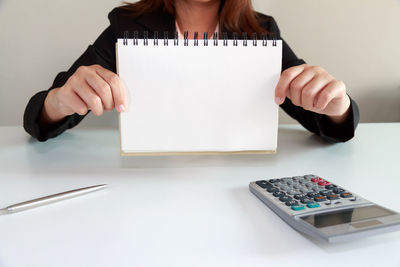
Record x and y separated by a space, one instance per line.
346 216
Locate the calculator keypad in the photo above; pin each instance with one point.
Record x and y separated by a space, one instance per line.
302 192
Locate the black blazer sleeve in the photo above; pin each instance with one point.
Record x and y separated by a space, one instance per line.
314 122
102 52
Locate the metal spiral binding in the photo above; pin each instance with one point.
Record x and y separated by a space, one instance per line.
235 39
165 38
186 38
264 38
156 38
135 37
205 38
215 38
146 38
244 37
254 39
196 39
126 36
225 36
176 42
273 39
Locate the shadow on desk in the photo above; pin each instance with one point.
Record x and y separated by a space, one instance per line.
98 151
291 143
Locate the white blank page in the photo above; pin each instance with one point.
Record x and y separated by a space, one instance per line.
199 98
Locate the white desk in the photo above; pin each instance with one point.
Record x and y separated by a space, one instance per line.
184 211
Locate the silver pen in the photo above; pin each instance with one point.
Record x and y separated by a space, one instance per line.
50 199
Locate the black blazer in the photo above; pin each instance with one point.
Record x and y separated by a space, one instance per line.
102 52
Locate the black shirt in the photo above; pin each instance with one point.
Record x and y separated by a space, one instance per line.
102 52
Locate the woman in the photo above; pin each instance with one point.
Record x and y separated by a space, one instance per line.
307 93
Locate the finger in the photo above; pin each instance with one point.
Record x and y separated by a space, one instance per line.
102 89
117 87
88 95
298 84
332 90
282 88
70 102
310 91
76 103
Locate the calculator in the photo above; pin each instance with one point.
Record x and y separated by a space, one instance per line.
323 210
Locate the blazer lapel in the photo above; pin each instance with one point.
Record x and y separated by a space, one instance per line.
160 22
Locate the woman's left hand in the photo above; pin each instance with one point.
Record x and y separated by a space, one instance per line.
314 89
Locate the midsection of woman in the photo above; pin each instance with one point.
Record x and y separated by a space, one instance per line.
307 93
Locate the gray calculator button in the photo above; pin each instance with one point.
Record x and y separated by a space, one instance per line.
325 192
306 200
285 198
300 196
273 180
264 184
291 203
313 194
278 194
272 189
338 190
297 179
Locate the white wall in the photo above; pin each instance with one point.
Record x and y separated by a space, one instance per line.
358 41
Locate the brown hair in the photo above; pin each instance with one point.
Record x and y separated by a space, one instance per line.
234 15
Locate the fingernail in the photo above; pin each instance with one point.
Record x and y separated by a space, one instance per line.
121 108
278 100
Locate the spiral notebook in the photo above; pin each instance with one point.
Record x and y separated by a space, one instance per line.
199 96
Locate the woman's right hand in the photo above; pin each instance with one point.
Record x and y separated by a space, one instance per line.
89 88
